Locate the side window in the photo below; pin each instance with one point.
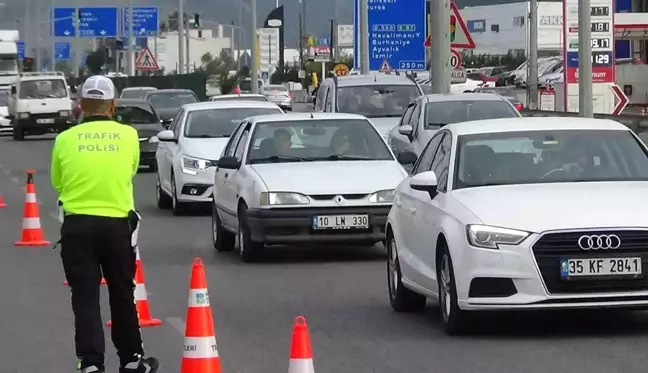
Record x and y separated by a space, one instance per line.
329 101
176 125
405 120
441 163
229 148
414 120
240 146
424 162
321 97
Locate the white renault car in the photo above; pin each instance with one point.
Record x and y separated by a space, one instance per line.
187 152
321 178
520 214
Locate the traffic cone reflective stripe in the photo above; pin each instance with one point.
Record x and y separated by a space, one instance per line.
141 298
301 352
200 348
32 233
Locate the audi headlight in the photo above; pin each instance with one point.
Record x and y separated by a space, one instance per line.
23 115
488 237
382 196
153 139
283 198
192 164
65 113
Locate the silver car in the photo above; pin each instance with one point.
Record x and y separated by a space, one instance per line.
279 95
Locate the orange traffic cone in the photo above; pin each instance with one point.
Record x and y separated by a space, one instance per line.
301 352
32 233
200 349
141 299
103 282
2 204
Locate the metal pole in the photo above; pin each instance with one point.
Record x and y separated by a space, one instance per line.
26 24
76 57
181 53
232 43
255 67
440 48
53 40
37 53
188 53
532 86
241 39
131 52
585 96
363 48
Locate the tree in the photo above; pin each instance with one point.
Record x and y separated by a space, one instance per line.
172 21
163 27
63 66
95 61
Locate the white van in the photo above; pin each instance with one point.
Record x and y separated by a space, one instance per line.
39 104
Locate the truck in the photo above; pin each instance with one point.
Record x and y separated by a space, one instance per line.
8 57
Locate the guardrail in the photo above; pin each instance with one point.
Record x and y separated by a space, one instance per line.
637 123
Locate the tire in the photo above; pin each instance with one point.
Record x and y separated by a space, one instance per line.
18 132
401 298
453 319
222 239
179 208
163 200
249 250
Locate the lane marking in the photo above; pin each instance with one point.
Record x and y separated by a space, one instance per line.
15 180
177 324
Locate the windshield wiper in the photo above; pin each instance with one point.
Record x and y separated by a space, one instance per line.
281 158
210 136
340 157
436 124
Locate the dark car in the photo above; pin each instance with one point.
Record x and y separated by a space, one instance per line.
507 93
167 102
136 92
141 115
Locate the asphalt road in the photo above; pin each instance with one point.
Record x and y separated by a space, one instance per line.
341 291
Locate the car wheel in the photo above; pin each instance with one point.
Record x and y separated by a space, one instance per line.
163 200
222 239
401 298
18 132
249 250
178 207
453 319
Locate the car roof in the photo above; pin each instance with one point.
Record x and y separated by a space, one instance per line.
139 89
533 124
304 116
238 104
237 95
373 79
172 90
444 97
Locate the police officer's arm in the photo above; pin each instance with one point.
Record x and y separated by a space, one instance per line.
136 149
55 167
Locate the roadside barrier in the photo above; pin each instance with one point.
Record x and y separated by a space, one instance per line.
141 298
200 349
32 233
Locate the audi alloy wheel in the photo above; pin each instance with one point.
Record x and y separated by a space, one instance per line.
453 318
401 298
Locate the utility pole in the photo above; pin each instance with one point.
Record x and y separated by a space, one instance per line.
187 31
131 58
76 57
332 41
301 44
53 40
585 95
532 86
180 23
26 23
37 53
255 51
363 48
440 48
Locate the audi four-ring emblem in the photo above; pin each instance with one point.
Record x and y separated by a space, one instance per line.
599 242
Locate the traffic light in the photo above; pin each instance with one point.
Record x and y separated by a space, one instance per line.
196 21
453 28
28 64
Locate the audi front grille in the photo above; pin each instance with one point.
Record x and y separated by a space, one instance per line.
552 247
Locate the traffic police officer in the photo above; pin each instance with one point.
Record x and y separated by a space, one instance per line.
93 165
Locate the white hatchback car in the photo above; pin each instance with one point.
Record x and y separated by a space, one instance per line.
518 214
187 152
303 178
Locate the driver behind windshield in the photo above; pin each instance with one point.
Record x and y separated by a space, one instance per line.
282 142
340 143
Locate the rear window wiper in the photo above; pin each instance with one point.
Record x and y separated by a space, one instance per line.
280 158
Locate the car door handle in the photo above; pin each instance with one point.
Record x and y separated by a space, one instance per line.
412 210
226 174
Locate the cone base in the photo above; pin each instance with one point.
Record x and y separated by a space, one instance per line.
2 205
142 323
32 243
196 365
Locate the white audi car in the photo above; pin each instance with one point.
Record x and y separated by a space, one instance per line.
187 152
525 213
321 178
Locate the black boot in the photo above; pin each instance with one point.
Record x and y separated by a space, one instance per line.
143 365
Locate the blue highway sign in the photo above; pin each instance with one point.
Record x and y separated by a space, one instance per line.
94 22
21 50
62 51
395 36
145 21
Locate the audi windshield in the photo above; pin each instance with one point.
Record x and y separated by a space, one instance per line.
562 156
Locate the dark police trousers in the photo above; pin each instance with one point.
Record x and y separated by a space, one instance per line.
90 246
